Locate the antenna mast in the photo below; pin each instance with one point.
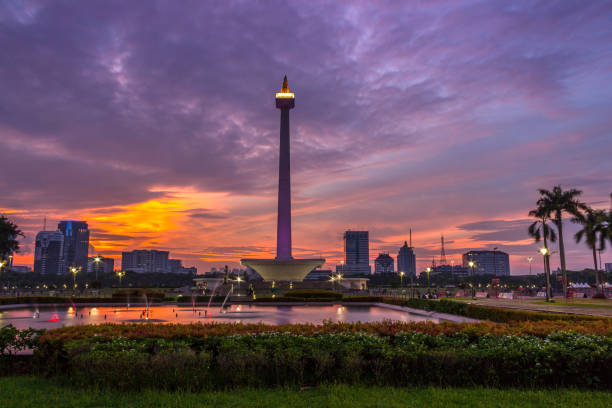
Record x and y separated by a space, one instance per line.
442 253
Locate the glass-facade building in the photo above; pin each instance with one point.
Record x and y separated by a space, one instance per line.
488 262
356 253
76 243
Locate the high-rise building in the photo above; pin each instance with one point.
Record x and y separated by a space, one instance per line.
383 264
356 253
141 260
406 260
100 264
452 270
608 267
76 243
49 253
488 262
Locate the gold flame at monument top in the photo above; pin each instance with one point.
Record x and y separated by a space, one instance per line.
285 92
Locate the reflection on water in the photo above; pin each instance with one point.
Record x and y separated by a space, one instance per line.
53 317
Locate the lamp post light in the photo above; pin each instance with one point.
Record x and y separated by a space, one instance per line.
472 265
545 254
428 270
96 265
530 260
401 274
120 274
74 270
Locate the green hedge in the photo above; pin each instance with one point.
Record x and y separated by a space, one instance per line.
493 314
273 359
199 299
313 294
269 299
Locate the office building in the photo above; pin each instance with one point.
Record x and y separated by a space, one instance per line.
49 253
451 270
488 262
142 260
383 264
76 243
406 260
356 254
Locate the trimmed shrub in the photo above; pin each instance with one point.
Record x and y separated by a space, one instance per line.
285 359
313 294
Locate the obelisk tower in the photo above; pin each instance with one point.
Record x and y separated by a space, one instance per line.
285 101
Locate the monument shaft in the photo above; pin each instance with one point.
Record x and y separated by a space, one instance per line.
283 230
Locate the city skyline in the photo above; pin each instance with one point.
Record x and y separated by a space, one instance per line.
442 117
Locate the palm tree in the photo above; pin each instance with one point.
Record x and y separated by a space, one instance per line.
553 204
540 229
8 237
594 231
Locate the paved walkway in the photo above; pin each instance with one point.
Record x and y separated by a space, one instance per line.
577 307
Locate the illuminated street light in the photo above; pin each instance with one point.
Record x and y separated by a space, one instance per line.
472 265
401 274
428 270
97 261
74 270
545 254
120 274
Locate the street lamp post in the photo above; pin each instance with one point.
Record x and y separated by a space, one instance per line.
545 255
74 271
428 270
120 274
530 260
96 265
472 264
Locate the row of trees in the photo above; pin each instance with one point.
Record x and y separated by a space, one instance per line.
596 227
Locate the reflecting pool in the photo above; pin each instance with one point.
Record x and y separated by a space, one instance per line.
45 317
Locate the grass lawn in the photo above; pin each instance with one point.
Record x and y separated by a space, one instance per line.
36 392
605 304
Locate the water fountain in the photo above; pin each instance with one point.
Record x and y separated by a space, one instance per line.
226 297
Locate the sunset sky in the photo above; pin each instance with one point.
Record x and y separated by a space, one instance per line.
155 122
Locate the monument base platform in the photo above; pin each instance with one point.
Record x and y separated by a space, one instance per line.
283 269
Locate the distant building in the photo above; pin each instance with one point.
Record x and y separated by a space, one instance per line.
103 265
451 270
21 269
406 260
76 243
356 253
142 260
176 266
49 253
608 267
383 264
488 262
319 275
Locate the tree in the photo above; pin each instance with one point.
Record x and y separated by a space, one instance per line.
553 204
540 229
594 232
9 232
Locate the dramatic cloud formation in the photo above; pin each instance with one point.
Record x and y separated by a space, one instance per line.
155 121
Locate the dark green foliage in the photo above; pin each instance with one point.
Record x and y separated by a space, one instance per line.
136 295
313 293
9 232
270 359
34 300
